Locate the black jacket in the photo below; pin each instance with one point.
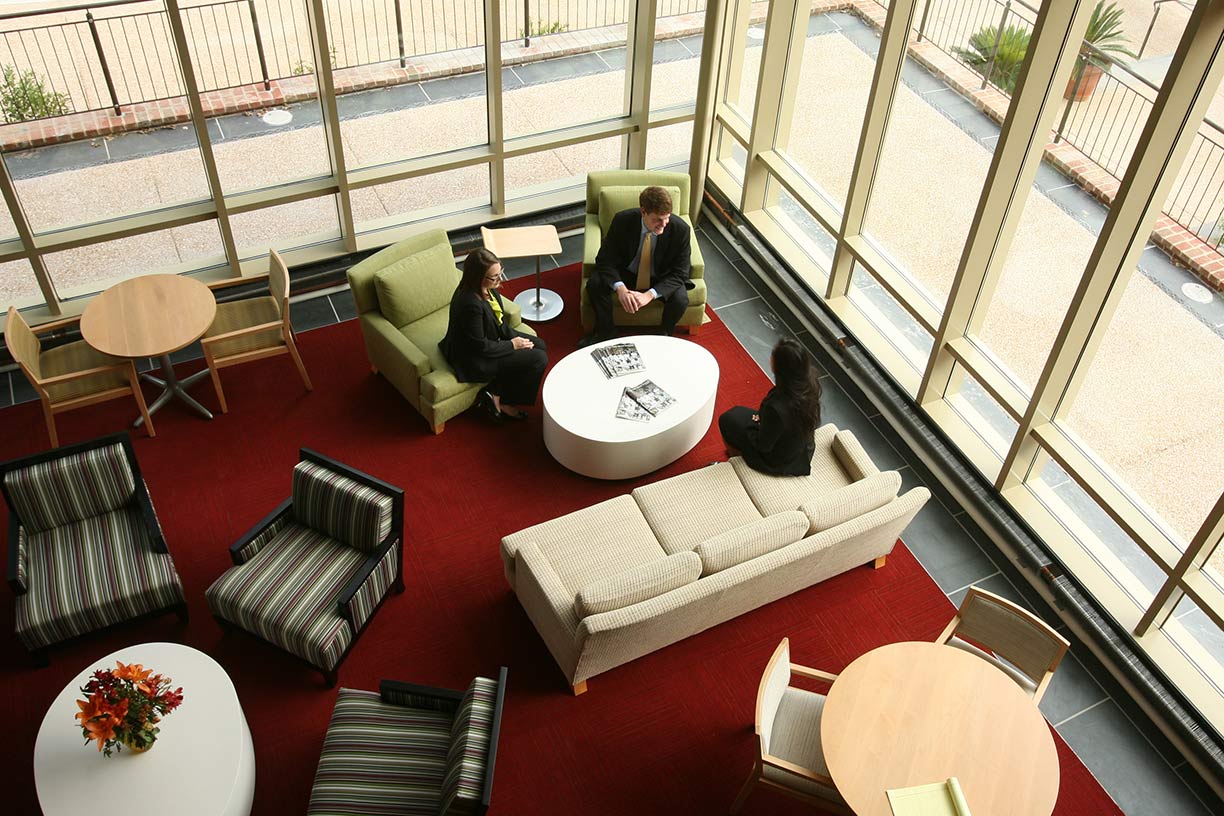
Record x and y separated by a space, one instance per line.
474 338
672 252
779 442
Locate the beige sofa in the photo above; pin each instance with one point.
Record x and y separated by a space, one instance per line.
612 582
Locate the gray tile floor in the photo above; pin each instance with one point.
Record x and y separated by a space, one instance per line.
1142 779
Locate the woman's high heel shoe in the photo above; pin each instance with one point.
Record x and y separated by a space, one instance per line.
485 400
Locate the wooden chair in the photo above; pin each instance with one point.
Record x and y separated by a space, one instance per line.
791 759
253 328
70 376
1008 636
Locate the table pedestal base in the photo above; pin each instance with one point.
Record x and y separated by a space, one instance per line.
172 386
539 304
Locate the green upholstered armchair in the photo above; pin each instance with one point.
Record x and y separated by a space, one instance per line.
410 749
85 550
609 192
311 575
403 296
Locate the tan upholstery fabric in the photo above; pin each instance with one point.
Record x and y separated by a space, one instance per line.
773 494
241 314
851 501
549 605
751 540
796 738
850 454
1028 645
638 584
79 356
593 543
685 510
22 342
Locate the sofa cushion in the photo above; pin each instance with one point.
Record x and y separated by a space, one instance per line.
71 488
380 758
341 507
751 540
637 584
685 510
86 575
773 494
592 543
417 285
614 199
852 501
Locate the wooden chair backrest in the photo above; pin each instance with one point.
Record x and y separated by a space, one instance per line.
1011 632
278 281
22 343
769 694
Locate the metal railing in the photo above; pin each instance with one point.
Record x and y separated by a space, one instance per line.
87 57
1104 109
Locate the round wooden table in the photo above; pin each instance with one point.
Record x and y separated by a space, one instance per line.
916 713
202 763
152 316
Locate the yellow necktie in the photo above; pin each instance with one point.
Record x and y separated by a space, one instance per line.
643 270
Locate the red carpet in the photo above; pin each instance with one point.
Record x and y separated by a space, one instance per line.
669 733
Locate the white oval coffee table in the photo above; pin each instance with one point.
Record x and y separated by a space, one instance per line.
582 431
202 763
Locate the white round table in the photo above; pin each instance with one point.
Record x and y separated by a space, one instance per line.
202 763
582 431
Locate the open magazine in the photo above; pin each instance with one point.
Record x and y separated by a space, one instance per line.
618 359
643 402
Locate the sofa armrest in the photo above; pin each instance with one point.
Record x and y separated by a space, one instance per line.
549 605
411 695
592 237
370 584
245 548
16 556
145 503
853 459
388 346
513 312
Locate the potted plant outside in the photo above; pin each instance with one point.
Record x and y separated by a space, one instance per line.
1106 37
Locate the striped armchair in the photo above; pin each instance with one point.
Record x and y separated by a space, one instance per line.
410 749
310 576
85 550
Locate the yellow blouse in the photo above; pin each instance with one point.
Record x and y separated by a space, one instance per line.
497 309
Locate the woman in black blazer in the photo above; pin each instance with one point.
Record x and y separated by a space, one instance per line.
481 347
777 437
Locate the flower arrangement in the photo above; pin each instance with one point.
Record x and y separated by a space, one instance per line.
123 707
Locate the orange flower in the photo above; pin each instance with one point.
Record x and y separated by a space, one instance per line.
137 673
99 719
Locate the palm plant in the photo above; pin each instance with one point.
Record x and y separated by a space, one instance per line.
1105 34
998 57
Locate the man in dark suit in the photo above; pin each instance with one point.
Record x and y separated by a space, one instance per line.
643 257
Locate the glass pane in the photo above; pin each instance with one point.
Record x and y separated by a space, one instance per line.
416 198
677 53
834 80
936 154
560 168
403 119
1096 533
285 226
813 239
91 166
1199 638
18 285
577 52
746 58
265 146
90 269
670 147
731 154
983 413
893 322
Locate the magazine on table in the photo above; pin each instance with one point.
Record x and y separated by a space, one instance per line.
643 402
618 359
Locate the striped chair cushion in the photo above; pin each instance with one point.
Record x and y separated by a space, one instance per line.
380 758
375 587
469 748
90 574
71 488
344 509
286 594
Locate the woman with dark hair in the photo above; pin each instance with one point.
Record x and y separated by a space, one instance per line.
777 437
481 347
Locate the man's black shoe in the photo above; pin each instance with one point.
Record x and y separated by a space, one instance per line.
593 338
